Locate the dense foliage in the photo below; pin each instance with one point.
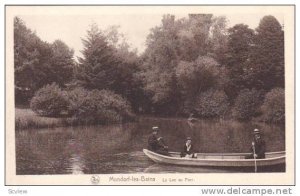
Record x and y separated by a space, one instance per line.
212 103
247 104
266 69
240 43
193 64
194 78
90 106
38 63
99 106
49 100
108 63
273 107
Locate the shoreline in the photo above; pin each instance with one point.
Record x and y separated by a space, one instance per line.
25 119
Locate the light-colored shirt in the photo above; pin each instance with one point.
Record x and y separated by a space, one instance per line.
188 147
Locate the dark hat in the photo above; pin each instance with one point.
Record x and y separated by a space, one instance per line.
155 128
256 131
188 138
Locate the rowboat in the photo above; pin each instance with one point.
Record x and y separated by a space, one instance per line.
218 159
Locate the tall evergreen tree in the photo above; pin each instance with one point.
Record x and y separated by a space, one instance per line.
97 69
266 69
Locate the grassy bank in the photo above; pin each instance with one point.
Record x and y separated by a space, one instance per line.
26 119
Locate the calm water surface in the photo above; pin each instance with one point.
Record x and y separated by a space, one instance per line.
118 148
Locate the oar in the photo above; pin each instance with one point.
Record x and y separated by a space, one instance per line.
255 165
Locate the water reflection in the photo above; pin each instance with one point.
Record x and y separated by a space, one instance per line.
118 148
77 164
76 159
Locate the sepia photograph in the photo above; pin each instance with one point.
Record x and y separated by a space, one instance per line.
135 94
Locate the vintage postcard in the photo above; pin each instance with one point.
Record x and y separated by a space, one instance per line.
150 95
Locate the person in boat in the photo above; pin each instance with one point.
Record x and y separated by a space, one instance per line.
258 147
157 144
188 149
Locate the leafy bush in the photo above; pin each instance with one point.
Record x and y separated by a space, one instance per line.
49 100
76 98
196 76
212 103
273 108
99 106
247 104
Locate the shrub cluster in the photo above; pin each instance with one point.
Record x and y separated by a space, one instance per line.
247 104
212 103
49 100
96 106
273 108
99 106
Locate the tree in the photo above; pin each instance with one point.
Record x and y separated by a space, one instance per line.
193 36
97 69
161 87
196 77
109 63
266 69
31 63
273 108
200 27
174 41
38 63
62 63
219 39
128 83
159 59
240 43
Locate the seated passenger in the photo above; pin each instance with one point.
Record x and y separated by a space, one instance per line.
188 150
156 144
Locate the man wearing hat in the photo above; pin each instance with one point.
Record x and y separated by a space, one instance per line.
188 150
156 144
258 146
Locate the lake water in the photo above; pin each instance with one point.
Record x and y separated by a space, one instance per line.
118 148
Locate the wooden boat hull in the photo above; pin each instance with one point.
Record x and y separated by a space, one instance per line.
217 159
